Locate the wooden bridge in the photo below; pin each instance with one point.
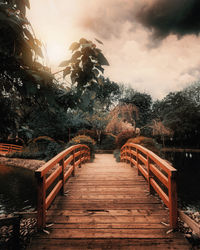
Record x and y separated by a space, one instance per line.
105 204
9 148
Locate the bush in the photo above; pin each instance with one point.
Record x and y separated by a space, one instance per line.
83 139
90 133
41 148
108 142
123 137
147 142
117 154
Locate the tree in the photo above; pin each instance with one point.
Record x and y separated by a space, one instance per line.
26 85
142 101
85 70
122 117
181 114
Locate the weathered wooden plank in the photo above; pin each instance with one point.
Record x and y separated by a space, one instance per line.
145 200
190 222
107 225
111 212
109 233
113 196
123 244
105 205
108 219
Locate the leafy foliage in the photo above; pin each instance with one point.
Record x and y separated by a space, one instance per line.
90 133
123 137
146 142
142 101
108 141
182 115
85 70
41 148
83 139
122 118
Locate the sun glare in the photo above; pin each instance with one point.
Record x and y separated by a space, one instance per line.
55 53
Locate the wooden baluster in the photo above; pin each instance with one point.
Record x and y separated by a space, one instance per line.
83 156
89 155
127 154
41 201
62 190
131 157
137 160
173 211
80 157
73 172
149 176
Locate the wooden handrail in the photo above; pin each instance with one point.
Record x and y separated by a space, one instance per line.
51 177
160 175
9 148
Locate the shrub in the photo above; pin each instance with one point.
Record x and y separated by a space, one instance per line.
108 142
83 139
41 148
90 133
117 154
147 142
123 137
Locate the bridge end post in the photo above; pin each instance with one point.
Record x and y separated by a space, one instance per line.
41 206
173 209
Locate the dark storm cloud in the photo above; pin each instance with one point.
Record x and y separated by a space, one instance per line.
167 17
161 17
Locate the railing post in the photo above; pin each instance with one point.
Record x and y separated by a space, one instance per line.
137 160
149 175
89 154
173 210
41 205
83 155
127 154
73 172
62 190
80 157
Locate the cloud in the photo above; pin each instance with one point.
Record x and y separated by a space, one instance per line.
161 17
165 17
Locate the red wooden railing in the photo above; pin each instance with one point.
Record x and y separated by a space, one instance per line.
9 148
51 177
160 175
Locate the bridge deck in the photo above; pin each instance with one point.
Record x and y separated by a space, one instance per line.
107 206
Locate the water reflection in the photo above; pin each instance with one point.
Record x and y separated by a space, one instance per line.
188 179
17 189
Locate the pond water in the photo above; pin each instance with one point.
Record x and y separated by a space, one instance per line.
188 177
17 189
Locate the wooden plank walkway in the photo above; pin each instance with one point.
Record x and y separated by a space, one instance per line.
107 206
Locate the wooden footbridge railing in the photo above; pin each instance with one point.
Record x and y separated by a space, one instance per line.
159 174
51 177
9 148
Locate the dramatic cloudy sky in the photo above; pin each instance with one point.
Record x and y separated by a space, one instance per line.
153 45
